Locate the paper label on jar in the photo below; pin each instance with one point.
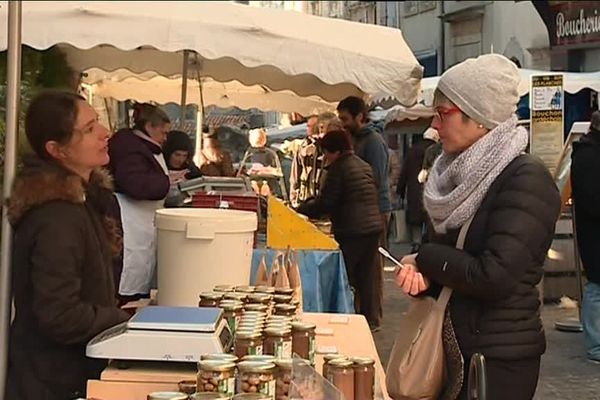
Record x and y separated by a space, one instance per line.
227 386
268 388
255 350
285 349
312 344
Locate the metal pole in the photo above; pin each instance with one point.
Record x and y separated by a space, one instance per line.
184 78
13 100
577 263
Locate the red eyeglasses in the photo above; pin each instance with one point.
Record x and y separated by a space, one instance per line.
441 112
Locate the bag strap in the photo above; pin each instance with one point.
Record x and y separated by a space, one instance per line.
446 292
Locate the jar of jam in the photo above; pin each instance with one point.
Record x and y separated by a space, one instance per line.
256 377
210 299
263 358
341 374
286 310
187 387
282 299
245 289
232 312
224 288
303 341
248 343
209 396
216 376
364 378
219 357
283 378
329 357
278 342
167 396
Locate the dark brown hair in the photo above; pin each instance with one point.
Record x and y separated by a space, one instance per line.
51 116
144 113
336 141
354 106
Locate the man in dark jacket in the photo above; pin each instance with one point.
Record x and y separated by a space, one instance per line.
585 177
349 197
411 189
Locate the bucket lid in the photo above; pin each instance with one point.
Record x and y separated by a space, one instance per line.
227 221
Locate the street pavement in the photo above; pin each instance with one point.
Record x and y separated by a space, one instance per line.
565 372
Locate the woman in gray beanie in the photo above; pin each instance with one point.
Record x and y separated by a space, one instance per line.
483 176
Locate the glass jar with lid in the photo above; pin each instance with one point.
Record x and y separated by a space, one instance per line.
329 357
364 378
340 373
232 312
167 396
303 341
216 376
209 396
256 377
283 378
251 396
248 343
278 342
210 299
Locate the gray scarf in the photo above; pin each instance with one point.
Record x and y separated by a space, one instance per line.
457 183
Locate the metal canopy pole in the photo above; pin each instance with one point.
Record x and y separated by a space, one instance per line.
13 100
184 79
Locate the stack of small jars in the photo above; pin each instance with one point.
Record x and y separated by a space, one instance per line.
354 377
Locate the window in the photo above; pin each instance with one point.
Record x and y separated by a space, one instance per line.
427 5
411 8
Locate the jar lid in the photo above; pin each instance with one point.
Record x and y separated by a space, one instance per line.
245 289
340 362
265 289
285 291
278 325
167 396
231 305
256 366
216 365
303 326
211 295
284 363
251 313
219 356
285 307
236 296
259 358
208 396
363 361
255 307
282 298
224 288
278 331
329 357
248 334
259 297
251 396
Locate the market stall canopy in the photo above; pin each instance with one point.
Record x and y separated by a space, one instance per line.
124 85
282 50
400 113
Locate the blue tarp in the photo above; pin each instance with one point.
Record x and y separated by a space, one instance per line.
325 286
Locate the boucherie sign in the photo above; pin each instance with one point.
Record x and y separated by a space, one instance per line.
574 22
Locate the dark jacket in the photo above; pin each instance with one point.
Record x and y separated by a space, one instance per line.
62 280
495 304
223 167
409 187
349 197
370 146
136 172
585 179
180 141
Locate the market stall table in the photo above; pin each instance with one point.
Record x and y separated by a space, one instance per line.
347 334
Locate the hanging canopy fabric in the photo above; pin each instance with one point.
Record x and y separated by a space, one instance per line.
400 113
282 50
126 86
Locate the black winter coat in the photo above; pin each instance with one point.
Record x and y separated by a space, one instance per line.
62 280
495 303
409 187
585 179
350 197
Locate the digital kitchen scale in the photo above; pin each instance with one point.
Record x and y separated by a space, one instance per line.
157 333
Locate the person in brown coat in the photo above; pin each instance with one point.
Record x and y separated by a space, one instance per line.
64 243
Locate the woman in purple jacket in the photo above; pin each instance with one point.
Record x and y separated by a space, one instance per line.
141 185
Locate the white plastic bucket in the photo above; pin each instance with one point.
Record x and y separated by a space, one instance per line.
199 248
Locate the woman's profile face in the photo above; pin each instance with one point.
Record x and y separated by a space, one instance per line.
178 159
457 133
158 133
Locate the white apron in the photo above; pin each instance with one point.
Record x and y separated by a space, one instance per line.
139 241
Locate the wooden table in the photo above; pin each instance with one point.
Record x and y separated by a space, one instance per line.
350 336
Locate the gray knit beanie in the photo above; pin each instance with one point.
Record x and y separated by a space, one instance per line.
484 88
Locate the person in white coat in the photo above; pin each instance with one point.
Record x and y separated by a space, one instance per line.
141 185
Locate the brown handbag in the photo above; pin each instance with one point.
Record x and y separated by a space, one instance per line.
416 369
